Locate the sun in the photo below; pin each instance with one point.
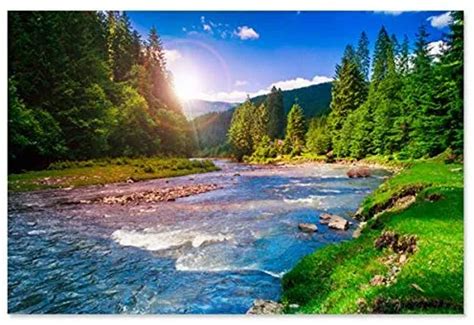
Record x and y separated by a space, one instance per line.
187 86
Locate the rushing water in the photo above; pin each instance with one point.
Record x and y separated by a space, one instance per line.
210 253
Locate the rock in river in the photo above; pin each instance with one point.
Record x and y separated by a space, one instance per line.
308 227
265 307
333 221
358 172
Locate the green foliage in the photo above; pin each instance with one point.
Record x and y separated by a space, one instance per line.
295 131
264 150
335 279
136 133
363 55
211 131
414 105
240 131
318 139
348 93
313 99
80 79
32 134
276 113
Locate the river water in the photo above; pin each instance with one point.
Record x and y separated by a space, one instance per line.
210 253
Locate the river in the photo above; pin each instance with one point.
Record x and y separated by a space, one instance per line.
213 252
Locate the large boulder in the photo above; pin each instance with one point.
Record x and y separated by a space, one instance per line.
265 307
359 171
308 227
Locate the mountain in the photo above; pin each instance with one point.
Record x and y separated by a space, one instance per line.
197 107
211 128
313 99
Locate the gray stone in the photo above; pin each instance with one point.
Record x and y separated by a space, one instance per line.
265 307
308 227
333 221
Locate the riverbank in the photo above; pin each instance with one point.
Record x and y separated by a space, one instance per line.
407 259
94 172
383 162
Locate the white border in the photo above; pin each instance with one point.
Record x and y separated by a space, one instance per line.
346 5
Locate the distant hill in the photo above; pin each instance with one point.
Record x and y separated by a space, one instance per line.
197 107
314 99
211 129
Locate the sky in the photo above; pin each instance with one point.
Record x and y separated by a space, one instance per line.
225 56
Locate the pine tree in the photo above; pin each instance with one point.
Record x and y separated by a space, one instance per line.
240 131
295 130
276 112
403 61
387 106
318 139
363 55
259 124
348 93
450 85
424 125
380 68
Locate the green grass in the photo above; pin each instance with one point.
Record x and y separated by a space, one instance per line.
93 172
336 279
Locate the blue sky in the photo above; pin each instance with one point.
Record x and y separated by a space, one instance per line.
227 55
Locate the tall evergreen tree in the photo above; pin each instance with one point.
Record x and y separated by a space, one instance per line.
363 55
276 112
240 131
348 93
450 85
380 63
295 130
403 61
424 125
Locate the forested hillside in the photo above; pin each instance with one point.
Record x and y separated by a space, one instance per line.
85 85
313 99
211 129
196 107
410 105
211 132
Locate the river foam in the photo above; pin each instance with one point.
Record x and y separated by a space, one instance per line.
156 241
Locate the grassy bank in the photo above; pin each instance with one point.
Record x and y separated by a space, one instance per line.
358 277
93 172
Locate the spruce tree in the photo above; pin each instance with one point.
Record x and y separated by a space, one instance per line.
380 67
240 131
425 135
348 93
276 112
318 139
450 85
363 55
295 130
403 61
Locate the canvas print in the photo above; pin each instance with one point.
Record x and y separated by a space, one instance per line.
259 162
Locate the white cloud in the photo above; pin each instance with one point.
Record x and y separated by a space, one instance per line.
239 83
246 33
436 48
390 13
172 55
207 28
300 82
239 96
440 21
235 96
